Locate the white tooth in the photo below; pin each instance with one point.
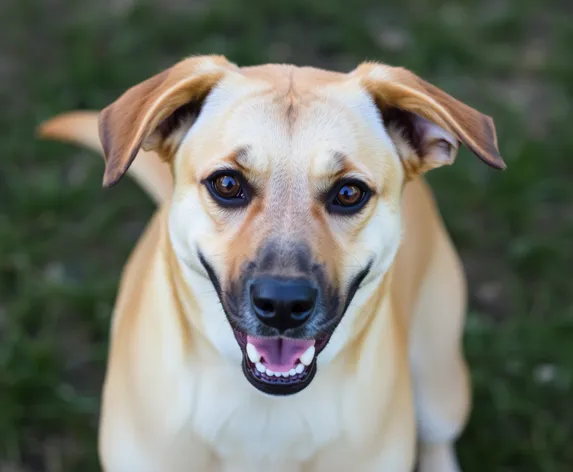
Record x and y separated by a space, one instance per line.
299 368
308 356
260 367
270 373
292 372
253 354
284 374
277 374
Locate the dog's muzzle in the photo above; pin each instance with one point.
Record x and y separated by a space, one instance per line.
282 322
279 364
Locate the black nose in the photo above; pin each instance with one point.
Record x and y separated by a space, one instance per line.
283 303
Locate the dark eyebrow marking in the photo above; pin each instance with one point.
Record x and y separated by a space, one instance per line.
339 161
240 158
339 165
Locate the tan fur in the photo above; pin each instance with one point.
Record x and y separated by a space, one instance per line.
175 398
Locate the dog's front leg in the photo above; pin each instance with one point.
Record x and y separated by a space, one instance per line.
440 375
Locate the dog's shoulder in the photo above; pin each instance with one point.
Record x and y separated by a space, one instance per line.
421 226
137 271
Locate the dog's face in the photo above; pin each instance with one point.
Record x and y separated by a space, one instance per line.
294 193
287 190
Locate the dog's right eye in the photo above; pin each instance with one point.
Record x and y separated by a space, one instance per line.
227 186
228 189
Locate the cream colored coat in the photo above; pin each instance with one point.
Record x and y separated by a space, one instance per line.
175 398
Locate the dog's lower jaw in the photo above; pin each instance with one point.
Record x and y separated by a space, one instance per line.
284 366
278 388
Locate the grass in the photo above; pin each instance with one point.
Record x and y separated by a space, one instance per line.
63 240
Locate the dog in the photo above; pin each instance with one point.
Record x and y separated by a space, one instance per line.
295 304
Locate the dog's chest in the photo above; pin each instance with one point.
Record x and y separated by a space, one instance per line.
239 422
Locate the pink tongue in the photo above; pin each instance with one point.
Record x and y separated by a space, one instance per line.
280 355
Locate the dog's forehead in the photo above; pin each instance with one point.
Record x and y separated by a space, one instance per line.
294 117
285 75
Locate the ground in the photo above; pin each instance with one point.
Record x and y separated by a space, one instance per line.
63 240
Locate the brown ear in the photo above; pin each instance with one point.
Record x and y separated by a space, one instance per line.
148 114
426 120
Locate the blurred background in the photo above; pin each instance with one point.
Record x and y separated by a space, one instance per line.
64 240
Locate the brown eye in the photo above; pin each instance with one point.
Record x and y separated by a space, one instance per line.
227 186
349 195
228 189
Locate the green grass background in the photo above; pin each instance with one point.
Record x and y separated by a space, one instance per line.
63 240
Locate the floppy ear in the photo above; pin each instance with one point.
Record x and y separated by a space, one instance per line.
426 124
155 114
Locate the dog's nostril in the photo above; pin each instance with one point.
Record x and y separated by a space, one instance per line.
265 305
301 308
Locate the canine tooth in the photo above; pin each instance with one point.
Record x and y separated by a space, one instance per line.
253 354
270 373
299 368
260 367
292 372
308 356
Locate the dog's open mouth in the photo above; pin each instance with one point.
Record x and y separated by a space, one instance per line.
279 366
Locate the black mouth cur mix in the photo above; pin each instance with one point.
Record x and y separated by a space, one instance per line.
295 304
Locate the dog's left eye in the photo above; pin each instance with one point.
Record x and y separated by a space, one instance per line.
228 189
227 186
347 197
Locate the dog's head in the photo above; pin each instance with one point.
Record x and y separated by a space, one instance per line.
287 190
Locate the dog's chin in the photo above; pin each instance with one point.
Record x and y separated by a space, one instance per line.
292 373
